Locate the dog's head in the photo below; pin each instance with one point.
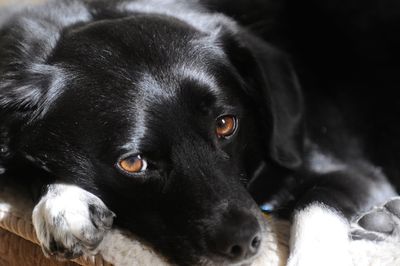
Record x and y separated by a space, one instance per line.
164 116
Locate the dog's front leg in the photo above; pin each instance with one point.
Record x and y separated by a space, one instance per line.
70 221
319 236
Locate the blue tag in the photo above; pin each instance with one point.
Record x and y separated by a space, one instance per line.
267 207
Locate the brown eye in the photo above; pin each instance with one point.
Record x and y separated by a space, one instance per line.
226 126
133 164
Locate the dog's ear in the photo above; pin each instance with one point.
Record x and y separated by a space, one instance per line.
28 81
27 39
269 79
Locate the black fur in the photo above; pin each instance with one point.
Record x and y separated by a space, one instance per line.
84 83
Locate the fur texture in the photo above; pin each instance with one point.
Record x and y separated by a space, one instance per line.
85 85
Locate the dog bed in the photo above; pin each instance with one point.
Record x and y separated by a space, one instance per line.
19 245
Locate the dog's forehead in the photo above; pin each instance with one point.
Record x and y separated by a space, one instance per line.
138 54
141 40
147 50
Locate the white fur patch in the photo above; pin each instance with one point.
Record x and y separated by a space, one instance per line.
319 236
63 216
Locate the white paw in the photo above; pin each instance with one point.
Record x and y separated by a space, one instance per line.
319 236
70 221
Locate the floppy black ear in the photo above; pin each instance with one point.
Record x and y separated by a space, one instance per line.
27 39
28 83
272 83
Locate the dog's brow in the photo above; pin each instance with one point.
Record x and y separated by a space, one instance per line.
196 74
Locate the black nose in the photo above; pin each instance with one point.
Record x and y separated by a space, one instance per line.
238 236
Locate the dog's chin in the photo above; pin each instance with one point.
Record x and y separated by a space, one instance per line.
220 261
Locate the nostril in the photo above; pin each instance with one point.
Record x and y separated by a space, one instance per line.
241 247
237 237
255 243
236 251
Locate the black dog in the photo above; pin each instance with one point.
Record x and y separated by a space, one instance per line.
168 111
